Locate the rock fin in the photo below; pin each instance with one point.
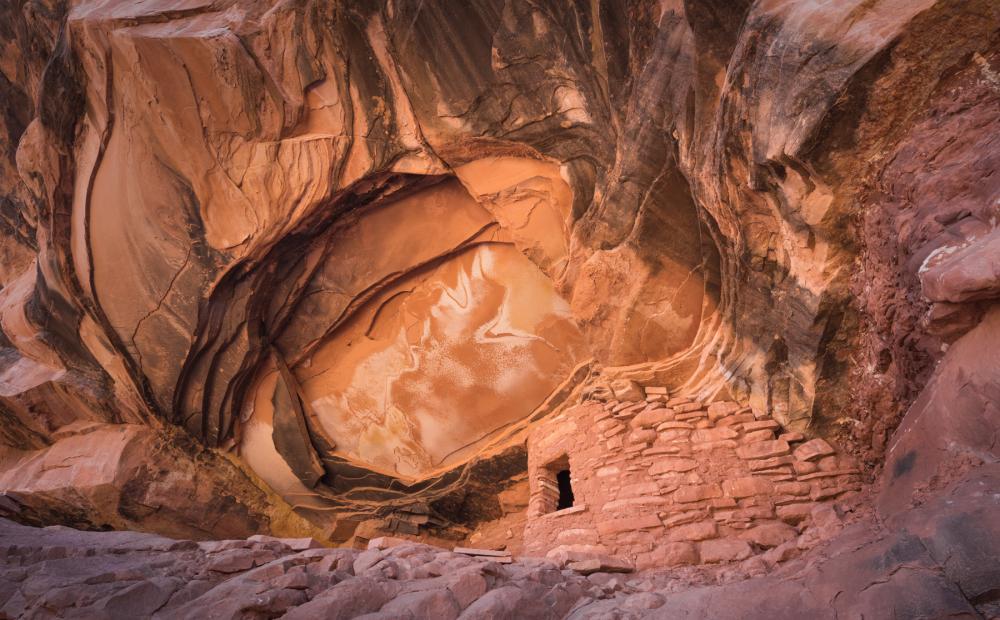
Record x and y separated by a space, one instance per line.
292 436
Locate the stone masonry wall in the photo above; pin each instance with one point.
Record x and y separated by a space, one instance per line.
660 481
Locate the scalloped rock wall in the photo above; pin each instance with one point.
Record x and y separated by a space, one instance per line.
344 257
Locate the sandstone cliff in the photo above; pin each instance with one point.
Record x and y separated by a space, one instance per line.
337 269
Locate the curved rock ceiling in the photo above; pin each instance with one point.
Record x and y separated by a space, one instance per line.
302 265
459 334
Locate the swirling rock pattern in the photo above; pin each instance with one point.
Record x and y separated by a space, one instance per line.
339 258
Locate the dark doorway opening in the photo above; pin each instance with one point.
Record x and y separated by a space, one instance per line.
565 490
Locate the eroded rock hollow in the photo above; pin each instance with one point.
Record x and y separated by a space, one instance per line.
704 289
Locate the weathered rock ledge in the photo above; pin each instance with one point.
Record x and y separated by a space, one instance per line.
724 273
936 561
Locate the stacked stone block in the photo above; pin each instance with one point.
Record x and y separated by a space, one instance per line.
666 481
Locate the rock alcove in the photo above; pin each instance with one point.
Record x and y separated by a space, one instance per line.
407 275
444 335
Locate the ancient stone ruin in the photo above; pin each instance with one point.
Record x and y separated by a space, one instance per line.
669 482
500 309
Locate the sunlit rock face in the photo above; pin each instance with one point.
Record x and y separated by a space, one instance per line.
347 254
418 377
463 335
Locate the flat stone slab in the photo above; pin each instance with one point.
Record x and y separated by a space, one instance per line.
493 553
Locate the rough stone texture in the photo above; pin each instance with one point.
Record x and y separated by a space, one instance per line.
317 268
124 475
680 485
938 560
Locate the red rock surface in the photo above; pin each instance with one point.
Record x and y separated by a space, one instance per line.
683 495
938 561
354 270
